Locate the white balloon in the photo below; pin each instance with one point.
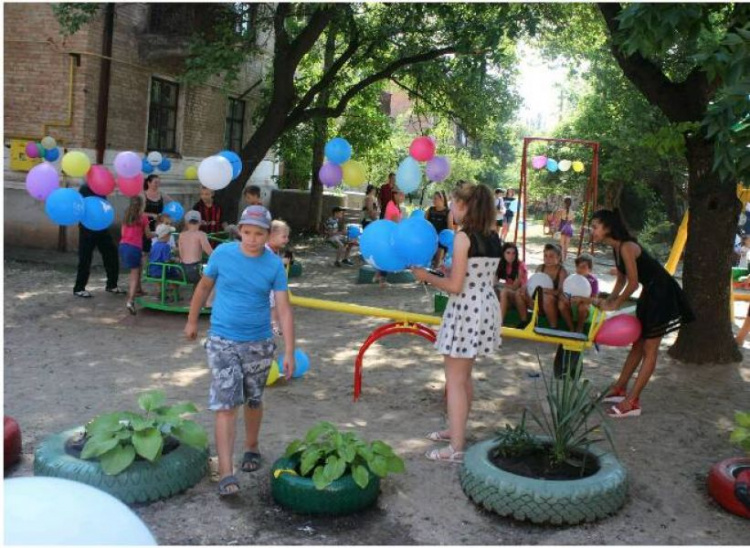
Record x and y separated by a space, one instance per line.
154 158
49 142
576 285
564 165
43 510
215 172
538 279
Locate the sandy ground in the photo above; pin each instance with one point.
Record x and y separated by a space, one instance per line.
68 359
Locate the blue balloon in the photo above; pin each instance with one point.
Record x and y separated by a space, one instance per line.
301 363
174 210
165 164
446 237
338 150
408 175
377 246
551 165
235 160
353 231
417 213
146 167
416 241
98 213
65 206
52 154
448 261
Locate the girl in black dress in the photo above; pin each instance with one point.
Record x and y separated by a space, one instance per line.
661 308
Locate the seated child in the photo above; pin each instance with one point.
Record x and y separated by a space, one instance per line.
193 244
161 252
164 219
584 266
336 235
512 271
277 239
210 212
553 267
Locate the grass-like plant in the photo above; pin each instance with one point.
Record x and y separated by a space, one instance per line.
741 434
515 441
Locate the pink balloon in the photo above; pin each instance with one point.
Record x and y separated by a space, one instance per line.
422 149
32 151
539 162
100 180
620 330
131 186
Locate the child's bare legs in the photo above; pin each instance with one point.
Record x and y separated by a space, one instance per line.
549 305
469 396
253 418
650 353
459 393
225 434
631 364
742 333
134 281
564 241
583 314
564 306
507 296
523 303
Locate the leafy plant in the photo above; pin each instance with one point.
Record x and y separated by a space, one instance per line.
116 438
741 434
515 441
325 454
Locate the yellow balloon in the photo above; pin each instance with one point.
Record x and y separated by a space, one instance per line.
191 173
273 373
578 166
354 173
76 164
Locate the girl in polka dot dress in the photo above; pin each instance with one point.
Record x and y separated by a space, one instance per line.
471 323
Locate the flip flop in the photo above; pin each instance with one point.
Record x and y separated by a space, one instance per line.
437 436
454 456
250 461
224 485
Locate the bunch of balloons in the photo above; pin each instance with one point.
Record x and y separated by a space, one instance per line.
541 162
153 161
340 167
301 366
46 149
391 247
409 172
217 171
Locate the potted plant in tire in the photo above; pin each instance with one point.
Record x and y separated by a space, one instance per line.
134 457
331 472
729 480
559 477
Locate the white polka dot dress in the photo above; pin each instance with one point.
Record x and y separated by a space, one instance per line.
471 322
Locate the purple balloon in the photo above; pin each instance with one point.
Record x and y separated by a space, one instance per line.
538 162
32 151
330 174
127 164
42 181
438 169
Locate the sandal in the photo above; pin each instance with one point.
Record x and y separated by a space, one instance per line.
250 461
626 408
84 294
116 291
224 486
615 395
453 456
437 436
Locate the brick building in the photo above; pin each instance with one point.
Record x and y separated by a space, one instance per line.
53 86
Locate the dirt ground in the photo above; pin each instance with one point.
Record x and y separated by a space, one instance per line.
69 359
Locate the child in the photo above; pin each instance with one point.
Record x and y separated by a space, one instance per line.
393 207
744 252
661 308
134 229
499 209
584 266
553 267
513 271
161 252
252 195
277 240
509 213
437 214
336 235
193 244
164 219
240 345
565 223
371 209
211 221
472 322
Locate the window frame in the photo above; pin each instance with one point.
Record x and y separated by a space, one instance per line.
155 114
231 123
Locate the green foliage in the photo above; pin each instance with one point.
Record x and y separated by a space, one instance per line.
741 434
115 439
325 454
515 441
74 15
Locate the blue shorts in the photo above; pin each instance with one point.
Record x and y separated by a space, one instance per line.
130 256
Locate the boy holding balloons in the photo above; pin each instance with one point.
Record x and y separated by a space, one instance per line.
584 266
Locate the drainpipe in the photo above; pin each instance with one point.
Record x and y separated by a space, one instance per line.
104 78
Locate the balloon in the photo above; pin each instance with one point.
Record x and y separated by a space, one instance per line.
49 142
576 285
338 150
174 210
131 186
76 164
513 205
273 373
417 213
353 231
301 363
42 151
100 180
65 206
416 241
438 169
564 165
551 165
408 175
448 261
165 164
377 246
538 279
422 149
55 511
146 168
330 174
445 238
578 166
235 160
154 158
42 181
128 164
620 330
353 173
98 213
215 172
52 154
191 173
538 162
32 151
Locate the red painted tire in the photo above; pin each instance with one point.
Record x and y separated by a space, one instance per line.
12 444
721 484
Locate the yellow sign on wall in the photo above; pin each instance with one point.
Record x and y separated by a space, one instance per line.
18 159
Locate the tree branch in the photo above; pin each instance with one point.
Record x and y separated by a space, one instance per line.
312 31
455 117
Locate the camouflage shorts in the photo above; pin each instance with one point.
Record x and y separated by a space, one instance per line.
238 372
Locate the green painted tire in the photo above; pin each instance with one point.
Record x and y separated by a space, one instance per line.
400 277
366 274
141 482
299 494
544 501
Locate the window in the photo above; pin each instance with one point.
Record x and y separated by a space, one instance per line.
235 121
162 116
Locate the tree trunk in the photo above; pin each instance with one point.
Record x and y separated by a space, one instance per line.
707 261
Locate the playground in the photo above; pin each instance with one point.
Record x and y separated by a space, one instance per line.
112 357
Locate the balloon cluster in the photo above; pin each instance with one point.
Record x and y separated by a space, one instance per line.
301 366
155 160
409 172
340 167
46 149
541 162
217 171
391 247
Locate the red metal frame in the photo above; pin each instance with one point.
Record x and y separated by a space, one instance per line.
592 188
383 331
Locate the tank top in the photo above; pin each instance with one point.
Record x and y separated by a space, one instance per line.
439 219
556 280
155 207
485 246
649 269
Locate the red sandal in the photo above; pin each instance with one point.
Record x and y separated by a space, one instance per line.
615 395
626 408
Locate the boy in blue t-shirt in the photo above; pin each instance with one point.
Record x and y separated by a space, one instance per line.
240 345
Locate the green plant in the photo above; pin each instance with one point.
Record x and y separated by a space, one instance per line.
741 434
116 438
515 441
325 454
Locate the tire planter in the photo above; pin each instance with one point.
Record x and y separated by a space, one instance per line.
341 497
140 482
544 501
11 442
723 480
295 270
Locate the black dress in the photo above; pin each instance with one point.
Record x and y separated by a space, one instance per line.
155 207
662 306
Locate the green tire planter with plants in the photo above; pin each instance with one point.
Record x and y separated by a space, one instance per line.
331 472
134 457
